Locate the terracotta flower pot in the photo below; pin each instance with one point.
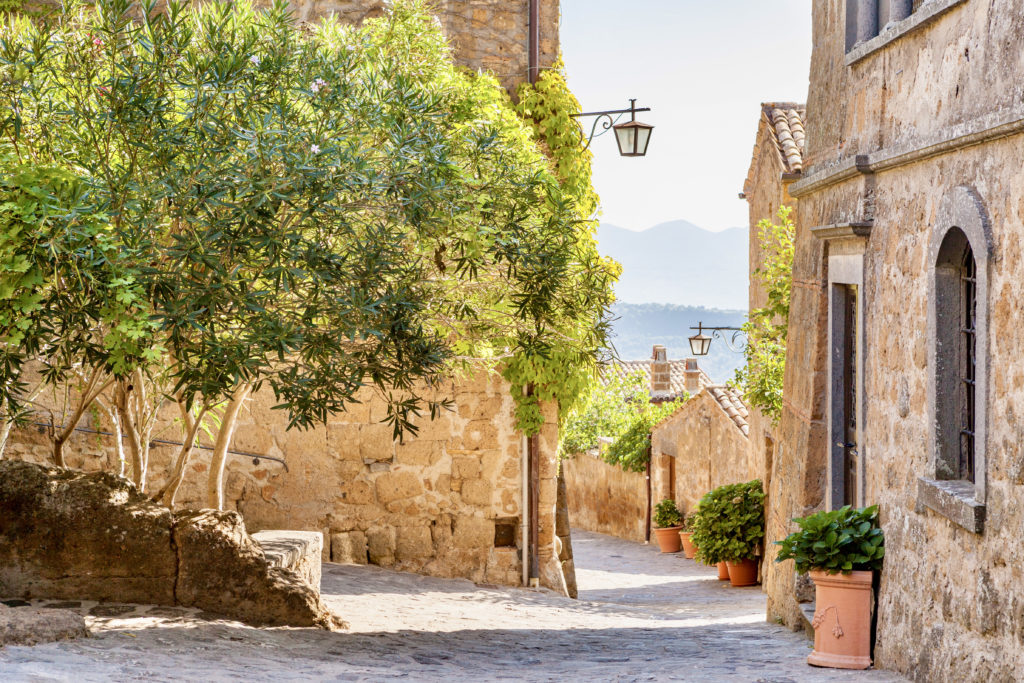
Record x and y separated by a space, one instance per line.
723 571
668 539
743 573
842 620
689 549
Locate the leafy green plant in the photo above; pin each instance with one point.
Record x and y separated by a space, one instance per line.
729 523
666 514
843 540
689 520
631 450
605 409
762 376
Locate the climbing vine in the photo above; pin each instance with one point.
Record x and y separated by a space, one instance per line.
766 328
564 374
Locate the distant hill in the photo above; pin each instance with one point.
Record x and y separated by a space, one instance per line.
640 326
679 263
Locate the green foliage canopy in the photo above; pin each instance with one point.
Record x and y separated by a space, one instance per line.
318 209
766 327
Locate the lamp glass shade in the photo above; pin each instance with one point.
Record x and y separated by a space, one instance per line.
633 138
700 344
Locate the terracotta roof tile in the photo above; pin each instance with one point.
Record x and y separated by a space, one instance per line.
732 403
784 123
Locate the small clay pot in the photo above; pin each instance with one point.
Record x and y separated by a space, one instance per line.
723 571
689 549
668 539
842 620
743 573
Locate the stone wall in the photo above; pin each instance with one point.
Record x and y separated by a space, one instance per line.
81 536
446 502
605 498
936 110
696 449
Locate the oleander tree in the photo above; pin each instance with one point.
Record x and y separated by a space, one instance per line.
310 209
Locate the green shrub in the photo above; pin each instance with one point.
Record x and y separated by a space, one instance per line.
631 448
843 540
666 514
729 524
688 521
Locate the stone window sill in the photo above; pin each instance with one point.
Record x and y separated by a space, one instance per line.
924 15
954 500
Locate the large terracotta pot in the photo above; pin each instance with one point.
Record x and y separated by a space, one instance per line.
743 573
842 620
668 539
689 549
723 571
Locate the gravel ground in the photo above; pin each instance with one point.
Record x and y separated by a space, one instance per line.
641 616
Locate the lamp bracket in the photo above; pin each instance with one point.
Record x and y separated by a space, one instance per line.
606 120
737 341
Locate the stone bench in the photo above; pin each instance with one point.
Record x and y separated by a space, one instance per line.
297 551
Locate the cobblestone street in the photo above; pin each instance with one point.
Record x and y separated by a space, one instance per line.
641 616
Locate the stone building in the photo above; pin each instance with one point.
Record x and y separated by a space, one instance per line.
701 445
903 379
455 500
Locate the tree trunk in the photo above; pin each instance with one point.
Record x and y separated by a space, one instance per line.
90 391
191 428
123 399
215 483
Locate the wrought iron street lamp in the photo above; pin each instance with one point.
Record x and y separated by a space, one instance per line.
632 136
700 343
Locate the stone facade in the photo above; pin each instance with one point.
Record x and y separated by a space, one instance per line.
446 502
700 447
911 133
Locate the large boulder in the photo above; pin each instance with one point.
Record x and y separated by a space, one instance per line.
93 536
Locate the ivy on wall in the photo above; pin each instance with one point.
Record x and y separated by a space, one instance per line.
556 374
766 328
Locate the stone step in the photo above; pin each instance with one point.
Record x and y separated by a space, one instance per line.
296 551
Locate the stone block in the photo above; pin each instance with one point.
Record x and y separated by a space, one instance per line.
394 486
476 492
376 442
348 547
380 544
473 532
357 493
413 543
343 441
27 626
295 551
418 452
466 467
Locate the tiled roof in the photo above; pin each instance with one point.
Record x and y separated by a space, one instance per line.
784 123
677 382
787 123
732 403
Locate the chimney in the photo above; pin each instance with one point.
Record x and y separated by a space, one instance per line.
661 374
691 376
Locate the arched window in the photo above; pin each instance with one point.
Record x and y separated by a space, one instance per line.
956 339
961 246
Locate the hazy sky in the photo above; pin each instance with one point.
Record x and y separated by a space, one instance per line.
704 67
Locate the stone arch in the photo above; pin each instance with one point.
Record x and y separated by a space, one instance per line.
962 223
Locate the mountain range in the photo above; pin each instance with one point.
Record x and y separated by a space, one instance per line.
679 263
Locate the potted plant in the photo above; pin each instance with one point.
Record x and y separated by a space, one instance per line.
729 528
666 521
841 550
685 534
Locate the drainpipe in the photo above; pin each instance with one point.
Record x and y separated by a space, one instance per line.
524 458
534 452
534 41
647 477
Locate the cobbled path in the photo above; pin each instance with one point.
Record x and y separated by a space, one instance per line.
641 616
